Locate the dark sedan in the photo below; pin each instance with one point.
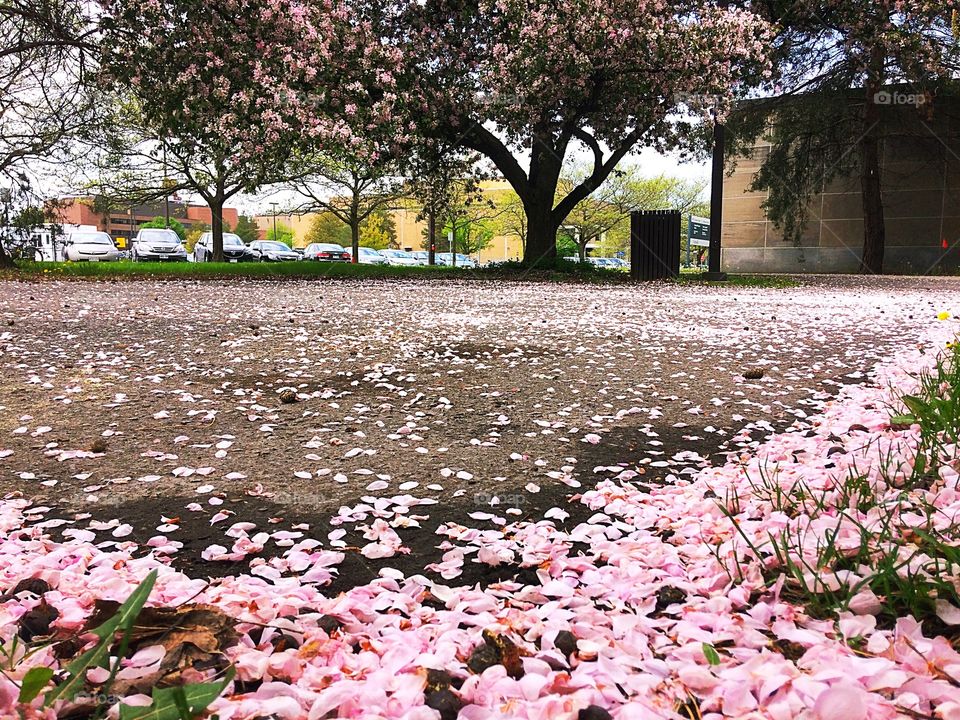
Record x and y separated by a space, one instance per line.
326 252
271 251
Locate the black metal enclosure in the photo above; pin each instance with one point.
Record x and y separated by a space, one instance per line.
654 244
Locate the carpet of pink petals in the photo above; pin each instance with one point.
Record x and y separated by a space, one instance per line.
633 659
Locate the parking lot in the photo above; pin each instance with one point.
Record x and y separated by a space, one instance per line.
180 409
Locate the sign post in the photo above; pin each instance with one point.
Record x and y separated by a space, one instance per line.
698 233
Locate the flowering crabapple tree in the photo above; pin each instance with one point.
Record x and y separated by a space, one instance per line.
230 89
524 81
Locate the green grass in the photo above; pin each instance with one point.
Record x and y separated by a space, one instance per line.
776 282
896 539
216 271
561 271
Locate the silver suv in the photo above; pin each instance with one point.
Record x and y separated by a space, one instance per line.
157 244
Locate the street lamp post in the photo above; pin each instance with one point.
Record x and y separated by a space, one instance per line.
716 202
166 190
275 236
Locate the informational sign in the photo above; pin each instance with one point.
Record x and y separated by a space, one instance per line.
698 231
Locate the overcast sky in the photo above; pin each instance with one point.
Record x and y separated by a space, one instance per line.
651 163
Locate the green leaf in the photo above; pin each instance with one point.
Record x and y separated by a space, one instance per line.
124 619
183 707
915 405
169 703
711 654
33 682
902 420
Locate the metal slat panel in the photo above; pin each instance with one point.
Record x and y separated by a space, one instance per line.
654 244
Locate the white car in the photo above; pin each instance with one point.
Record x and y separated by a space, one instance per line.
399 257
91 247
462 260
368 256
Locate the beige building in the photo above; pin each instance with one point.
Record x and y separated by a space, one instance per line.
920 166
300 224
411 231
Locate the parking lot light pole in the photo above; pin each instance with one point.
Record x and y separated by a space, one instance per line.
274 206
166 191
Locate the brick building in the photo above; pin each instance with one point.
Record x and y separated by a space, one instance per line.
123 222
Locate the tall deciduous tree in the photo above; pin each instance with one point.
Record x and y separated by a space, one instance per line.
836 65
172 223
511 78
229 89
600 212
441 179
512 221
352 187
280 233
604 215
48 59
247 229
379 231
325 227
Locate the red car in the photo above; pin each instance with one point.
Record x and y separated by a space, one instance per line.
326 252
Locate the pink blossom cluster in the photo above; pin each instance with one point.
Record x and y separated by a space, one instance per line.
240 84
624 611
614 70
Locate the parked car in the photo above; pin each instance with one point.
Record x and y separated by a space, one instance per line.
604 263
368 256
421 256
233 248
271 251
619 264
157 244
90 246
326 252
399 257
463 261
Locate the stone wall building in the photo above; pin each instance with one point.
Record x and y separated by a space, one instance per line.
920 168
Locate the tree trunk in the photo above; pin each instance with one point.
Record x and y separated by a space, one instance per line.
874 228
432 240
355 239
6 260
582 251
541 247
216 227
546 162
